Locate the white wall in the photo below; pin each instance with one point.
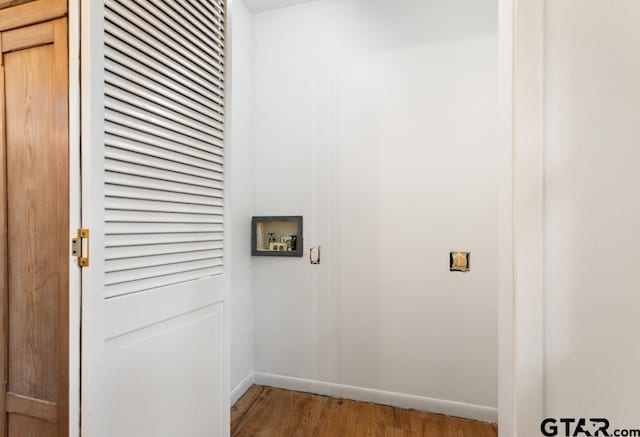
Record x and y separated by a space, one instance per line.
376 120
241 193
592 180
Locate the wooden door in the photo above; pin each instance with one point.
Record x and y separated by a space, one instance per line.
34 240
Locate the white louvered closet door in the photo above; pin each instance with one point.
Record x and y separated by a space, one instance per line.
155 348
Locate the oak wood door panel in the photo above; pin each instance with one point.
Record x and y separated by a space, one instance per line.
24 426
10 3
19 13
35 200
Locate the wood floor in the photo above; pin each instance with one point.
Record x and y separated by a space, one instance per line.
270 412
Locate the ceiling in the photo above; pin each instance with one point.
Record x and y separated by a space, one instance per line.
256 6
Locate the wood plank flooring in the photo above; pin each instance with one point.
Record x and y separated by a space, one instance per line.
271 412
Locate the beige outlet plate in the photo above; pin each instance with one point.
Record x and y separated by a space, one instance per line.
459 261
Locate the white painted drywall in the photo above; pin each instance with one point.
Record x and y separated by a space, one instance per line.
241 192
592 212
376 120
256 6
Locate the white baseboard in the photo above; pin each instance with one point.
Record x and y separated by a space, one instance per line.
421 403
241 388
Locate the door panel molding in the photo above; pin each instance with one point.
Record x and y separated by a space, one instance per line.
28 37
28 406
31 13
127 313
139 372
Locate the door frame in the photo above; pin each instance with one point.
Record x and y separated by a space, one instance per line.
92 281
521 292
75 216
521 359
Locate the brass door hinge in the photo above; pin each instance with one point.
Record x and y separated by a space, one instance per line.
80 247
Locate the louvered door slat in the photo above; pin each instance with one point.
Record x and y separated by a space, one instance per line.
143 240
118 40
115 118
195 10
166 98
129 192
115 203
158 44
168 59
120 252
215 7
176 46
161 281
130 139
122 65
164 143
159 228
183 21
125 169
134 163
137 108
127 180
214 31
153 271
161 217
125 264
161 106
168 152
214 16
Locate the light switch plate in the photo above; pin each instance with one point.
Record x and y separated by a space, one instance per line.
314 255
